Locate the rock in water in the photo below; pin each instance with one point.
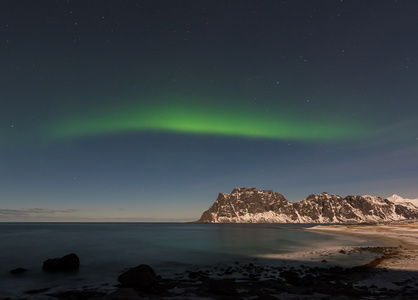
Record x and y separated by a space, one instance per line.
18 271
69 262
140 276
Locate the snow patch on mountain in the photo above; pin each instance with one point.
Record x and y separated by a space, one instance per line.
250 205
400 200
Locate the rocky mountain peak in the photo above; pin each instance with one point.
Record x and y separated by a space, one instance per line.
251 205
249 190
395 197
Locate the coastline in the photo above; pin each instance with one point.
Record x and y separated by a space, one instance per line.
386 268
404 237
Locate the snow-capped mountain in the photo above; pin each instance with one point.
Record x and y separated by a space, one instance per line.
250 205
399 200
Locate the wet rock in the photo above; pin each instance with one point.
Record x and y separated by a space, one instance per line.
307 280
68 262
37 291
140 276
78 294
222 287
263 294
18 271
194 275
124 294
290 277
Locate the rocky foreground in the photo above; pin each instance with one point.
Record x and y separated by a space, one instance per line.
249 281
393 274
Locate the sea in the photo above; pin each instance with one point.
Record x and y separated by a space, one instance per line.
108 249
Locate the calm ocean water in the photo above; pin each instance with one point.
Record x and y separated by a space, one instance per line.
106 249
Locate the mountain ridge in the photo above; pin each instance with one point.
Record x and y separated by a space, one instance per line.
251 205
400 200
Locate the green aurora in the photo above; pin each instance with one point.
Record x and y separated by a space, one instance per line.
193 118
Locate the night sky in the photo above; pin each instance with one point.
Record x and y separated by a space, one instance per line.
146 110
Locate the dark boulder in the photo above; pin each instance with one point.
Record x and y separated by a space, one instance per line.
290 277
68 262
18 271
140 276
124 294
222 287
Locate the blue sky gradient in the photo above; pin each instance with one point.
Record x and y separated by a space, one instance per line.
146 110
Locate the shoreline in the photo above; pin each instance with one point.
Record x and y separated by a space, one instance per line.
401 236
386 268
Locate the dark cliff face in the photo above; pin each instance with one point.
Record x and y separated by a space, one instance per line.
250 205
243 201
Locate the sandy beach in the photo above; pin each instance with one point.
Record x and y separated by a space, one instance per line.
385 268
401 266
402 236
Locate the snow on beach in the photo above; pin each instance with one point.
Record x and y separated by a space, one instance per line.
345 256
404 236
398 270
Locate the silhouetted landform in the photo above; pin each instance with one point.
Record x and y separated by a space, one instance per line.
142 276
251 205
69 262
18 271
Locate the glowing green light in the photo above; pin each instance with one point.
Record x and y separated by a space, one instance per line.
188 117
